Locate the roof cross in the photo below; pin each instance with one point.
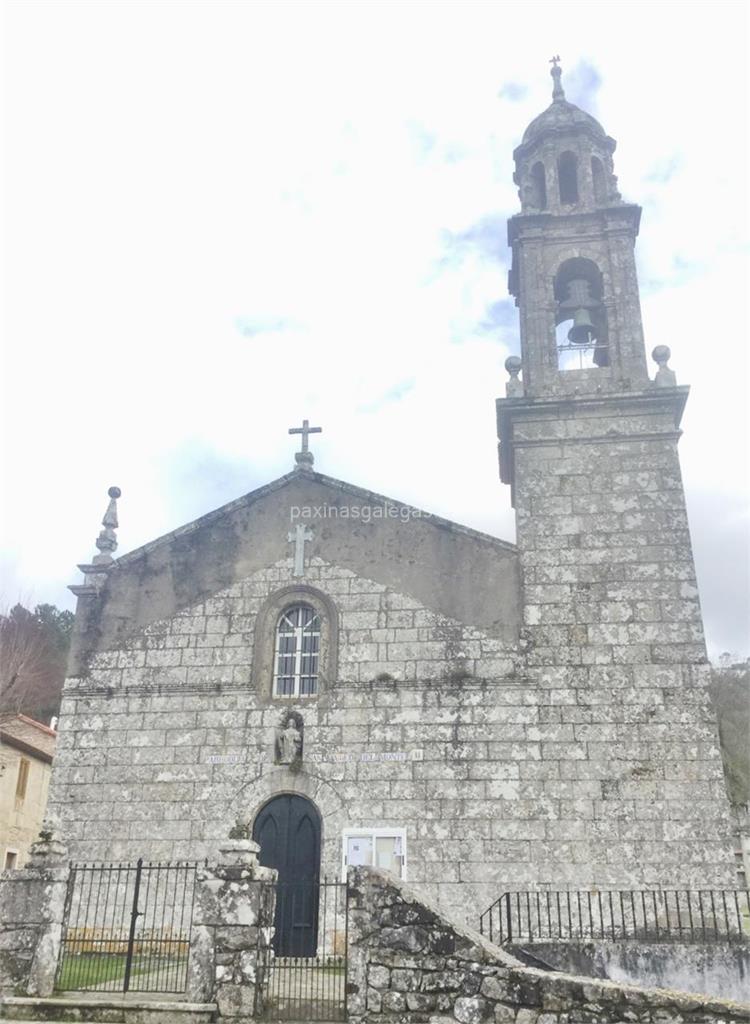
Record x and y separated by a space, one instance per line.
556 71
305 457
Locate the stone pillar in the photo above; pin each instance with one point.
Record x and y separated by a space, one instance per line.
32 907
232 929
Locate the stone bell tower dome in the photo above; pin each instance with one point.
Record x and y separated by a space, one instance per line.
573 273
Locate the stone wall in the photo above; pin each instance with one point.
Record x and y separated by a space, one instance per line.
612 623
410 964
713 969
32 904
232 930
502 777
166 740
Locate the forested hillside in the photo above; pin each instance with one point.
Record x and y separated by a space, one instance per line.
33 654
730 693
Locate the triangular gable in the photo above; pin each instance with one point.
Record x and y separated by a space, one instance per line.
463 573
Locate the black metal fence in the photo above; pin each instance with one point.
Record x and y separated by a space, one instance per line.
302 977
127 927
665 915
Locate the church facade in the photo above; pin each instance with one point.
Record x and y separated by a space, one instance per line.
360 682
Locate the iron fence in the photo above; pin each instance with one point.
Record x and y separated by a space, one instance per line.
302 975
665 915
127 927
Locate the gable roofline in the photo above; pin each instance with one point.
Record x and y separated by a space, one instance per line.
11 716
251 497
41 747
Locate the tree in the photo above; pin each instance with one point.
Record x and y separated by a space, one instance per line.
730 694
33 654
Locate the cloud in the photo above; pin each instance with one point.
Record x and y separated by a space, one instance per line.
486 238
665 169
252 326
513 91
582 84
500 314
267 226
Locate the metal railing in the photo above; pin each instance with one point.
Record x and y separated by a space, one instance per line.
614 915
127 927
302 977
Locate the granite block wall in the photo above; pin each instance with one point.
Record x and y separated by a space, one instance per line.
503 776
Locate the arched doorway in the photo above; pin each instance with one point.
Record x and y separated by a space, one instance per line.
288 831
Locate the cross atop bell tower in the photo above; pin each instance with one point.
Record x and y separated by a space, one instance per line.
573 273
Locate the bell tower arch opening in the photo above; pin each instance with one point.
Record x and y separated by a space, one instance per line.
580 316
567 178
539 186
598 180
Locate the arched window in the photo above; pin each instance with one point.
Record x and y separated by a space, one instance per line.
567 176
278 634
297 652
597 177
539 186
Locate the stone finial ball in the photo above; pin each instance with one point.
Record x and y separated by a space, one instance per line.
114 492
661 354
513 364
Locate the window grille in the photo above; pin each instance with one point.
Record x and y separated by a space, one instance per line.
297 652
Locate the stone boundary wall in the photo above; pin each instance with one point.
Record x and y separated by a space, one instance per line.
32 907
410 965
232 929
711 968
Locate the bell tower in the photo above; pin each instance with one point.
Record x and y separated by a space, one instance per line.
612 636
588 442
573 273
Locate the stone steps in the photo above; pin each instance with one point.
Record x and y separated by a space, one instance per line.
104 1010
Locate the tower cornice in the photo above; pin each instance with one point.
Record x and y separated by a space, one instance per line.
643 415
540 223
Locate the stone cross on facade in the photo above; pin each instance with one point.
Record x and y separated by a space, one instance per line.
298 536
305 457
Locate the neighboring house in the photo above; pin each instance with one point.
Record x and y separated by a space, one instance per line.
26 751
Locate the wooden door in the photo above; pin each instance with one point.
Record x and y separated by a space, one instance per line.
288 831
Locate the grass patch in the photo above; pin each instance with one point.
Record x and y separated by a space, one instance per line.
90 970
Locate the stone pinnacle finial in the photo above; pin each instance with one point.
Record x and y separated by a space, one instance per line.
514 387
107 539
665 378
305 458
558 93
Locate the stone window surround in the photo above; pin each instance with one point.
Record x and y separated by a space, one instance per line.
265 639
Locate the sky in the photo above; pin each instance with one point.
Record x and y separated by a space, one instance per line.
221 218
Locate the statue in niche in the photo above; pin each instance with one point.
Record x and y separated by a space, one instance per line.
289 740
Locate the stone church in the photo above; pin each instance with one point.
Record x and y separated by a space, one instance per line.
356 681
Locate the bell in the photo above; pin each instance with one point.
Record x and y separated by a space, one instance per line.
583 331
